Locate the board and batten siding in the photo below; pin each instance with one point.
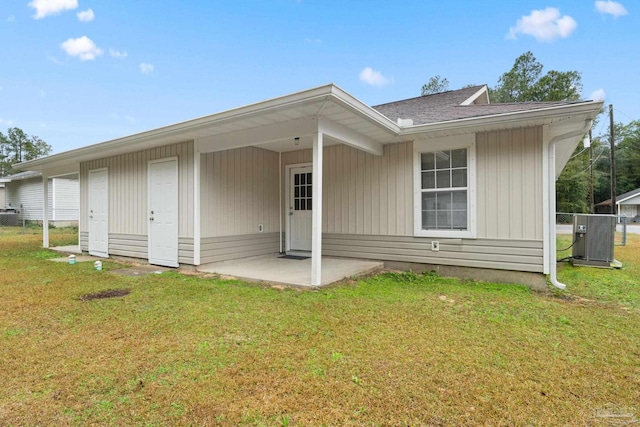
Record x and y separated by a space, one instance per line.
239 190
363 193
368 204
367 194
509 192
128 198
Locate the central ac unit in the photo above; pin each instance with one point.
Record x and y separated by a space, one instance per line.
594 238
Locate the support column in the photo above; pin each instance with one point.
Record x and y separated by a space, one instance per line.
316 230
196 204
45 210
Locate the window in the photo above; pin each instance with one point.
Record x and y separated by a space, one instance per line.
444 187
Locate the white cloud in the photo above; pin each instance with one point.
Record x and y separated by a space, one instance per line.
598 95
51 7
544 25
146 68
611 8
86 15
7 122
82 47
117 54
373 77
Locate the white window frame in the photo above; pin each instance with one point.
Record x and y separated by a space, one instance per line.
467 141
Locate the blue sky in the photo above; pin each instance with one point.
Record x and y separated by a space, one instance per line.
78 72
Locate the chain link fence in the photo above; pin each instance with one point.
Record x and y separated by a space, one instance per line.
564 225
22 217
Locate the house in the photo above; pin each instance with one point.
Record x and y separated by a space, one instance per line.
627 205
24 193
446 180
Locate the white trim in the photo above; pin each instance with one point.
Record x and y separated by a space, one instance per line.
287 199
197 194
53 199
545 200
280 201
628 197
316 232
176 196
45 210
467 141
349 137
476 95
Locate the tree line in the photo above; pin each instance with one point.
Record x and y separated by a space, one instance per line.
16 146
524 82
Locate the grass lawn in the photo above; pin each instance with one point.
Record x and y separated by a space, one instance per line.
393 349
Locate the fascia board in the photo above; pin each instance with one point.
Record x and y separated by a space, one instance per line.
475 96
512 119
319 94
617 201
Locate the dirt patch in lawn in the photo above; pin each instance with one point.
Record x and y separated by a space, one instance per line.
111 293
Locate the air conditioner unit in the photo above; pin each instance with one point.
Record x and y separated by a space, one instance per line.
594 237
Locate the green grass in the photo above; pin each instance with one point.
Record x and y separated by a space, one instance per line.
392 349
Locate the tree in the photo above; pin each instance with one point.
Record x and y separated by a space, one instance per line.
523 83
436 84
16 146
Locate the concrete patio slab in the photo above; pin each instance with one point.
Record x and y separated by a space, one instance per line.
296 272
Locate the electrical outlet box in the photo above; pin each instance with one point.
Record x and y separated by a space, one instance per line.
435 245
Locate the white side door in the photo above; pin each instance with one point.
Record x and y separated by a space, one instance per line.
163 212
99 213
300 208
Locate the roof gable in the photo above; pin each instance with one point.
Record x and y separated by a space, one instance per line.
469 102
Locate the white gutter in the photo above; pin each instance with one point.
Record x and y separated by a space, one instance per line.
555 113
551 170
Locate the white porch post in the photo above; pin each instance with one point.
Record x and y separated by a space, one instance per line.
196 204
45 210
316 229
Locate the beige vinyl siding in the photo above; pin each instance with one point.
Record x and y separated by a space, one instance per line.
185 250
239 191
225 248
521 255
509 190
84 241
128 245
128 189
363 193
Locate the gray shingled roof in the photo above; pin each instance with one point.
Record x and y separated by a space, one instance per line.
445 106
620 197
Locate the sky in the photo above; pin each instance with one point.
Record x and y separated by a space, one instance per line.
80 72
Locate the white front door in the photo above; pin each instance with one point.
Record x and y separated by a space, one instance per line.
163 212
300 208
98 213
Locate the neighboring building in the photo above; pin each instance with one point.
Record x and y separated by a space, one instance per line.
2 196
24 193
628 205
446 180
